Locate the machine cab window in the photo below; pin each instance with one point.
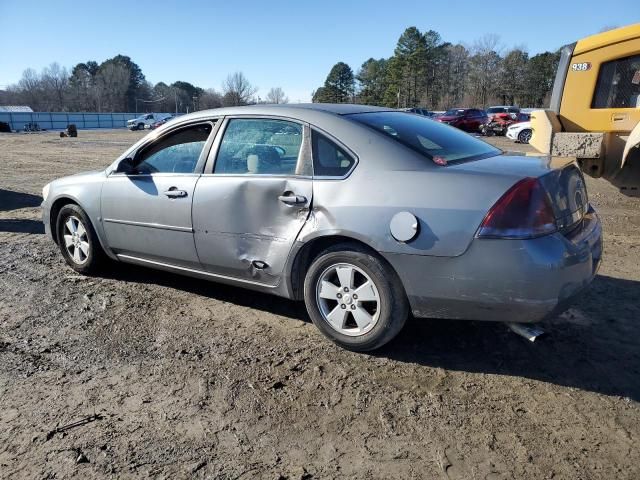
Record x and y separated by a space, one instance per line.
618 84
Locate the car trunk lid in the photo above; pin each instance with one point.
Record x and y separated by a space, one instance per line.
560 177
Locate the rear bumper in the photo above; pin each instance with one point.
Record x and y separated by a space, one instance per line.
504 280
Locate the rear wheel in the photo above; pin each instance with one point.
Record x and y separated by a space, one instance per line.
77 240
524 136
355 298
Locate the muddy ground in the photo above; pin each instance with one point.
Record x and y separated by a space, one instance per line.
178 378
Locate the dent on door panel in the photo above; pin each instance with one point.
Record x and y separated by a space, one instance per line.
238 220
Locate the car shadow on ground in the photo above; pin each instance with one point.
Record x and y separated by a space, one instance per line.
218 291
21 226
10 200
595 346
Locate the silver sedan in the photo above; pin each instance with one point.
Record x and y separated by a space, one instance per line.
367 214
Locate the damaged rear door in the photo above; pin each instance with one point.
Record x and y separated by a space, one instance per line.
254 198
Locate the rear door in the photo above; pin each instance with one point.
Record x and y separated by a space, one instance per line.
254 198
147 213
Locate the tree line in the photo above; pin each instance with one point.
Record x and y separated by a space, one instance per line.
427 72
118 85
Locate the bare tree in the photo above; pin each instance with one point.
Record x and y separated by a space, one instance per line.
55 83
237 90
276 95
112 83
210 99
30 89
484 69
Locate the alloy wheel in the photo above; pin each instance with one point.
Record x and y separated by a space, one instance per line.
525 136
76 240
348 299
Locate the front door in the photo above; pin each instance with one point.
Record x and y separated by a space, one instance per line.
146 213
249 209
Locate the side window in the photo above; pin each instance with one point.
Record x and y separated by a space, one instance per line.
149 117
618 84
329 160
259 146
178 152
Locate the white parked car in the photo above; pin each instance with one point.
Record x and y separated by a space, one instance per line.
144 121
520 132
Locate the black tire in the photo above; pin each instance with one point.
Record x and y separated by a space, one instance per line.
524 136
393 303
92 260
141 126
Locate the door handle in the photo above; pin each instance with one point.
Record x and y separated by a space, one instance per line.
173 192
292 199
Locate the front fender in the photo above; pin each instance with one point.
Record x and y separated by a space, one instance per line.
84 190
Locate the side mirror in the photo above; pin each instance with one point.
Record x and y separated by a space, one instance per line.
126 166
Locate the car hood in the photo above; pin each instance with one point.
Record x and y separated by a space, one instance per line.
520 125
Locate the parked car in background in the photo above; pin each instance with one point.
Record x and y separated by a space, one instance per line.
161 122
143 121
520 132
511 110
467 119
497 125
233 195
421 111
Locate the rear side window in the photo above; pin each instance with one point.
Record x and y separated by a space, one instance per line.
618 84
431 139
329 160
259 146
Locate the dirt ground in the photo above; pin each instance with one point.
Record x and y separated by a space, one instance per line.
170 377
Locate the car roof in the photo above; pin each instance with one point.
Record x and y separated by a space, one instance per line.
299 110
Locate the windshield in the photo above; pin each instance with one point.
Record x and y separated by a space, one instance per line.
454 112
497 110
427 137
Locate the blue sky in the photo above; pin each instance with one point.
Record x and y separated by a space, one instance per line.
291 44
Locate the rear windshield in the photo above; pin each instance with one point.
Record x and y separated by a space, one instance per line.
427 137
497 110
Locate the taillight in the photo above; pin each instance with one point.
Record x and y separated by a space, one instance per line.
524 211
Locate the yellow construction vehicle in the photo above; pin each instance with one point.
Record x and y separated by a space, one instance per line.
594 114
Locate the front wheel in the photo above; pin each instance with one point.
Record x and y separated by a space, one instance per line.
141 126
77 240
355 298
524 136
